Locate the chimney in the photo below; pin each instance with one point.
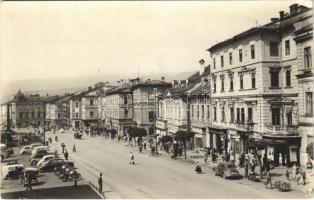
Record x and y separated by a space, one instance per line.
163 78
202 67
281 15
274 19
293 9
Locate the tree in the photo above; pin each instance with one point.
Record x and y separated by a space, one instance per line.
183 136
309 150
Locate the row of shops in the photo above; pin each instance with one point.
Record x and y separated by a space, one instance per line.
283 149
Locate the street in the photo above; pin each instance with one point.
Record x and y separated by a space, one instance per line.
152 177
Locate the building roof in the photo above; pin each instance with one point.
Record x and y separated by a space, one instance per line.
99 89
121 89
152 83
201 89
61 99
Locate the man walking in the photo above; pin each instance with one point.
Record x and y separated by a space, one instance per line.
74 148
132 159
66 154
100 183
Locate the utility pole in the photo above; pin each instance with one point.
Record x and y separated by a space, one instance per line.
155 91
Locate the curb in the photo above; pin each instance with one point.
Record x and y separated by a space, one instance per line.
94 187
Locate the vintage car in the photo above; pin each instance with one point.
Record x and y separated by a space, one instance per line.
12 171
26 150
51 164
27 173
35 145
77 135
43 159
226 170
12 162
39 152
5 151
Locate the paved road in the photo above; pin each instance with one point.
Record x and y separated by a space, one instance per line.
153 177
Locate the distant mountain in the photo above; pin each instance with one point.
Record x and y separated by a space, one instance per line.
72 84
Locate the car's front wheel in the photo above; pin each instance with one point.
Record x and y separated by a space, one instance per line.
34 163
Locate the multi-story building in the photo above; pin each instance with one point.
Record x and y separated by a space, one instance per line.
83 109
304 41
58 112
26 110
118 108
145 104
254 88
173 112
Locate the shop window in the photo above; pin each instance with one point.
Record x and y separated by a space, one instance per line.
275 113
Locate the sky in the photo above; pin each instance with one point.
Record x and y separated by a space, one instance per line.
69 39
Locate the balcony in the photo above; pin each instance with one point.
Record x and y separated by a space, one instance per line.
248 126
282 130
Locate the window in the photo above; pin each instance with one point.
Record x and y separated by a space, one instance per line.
222 84
307 58
21 115
253 80
231 114
222 113
289 118
274 78
250 115
125 100
59 115
288 78
91 102
91 114
38 114
126 113
240 55
309 104
275 116
208 111
273 49
252 52
76 104
231 83
222 61
242 115
238 115
287 47
214 63
215 114
214 89
192 110
203 111
151 116
76 115
230 58
241 81
33 115
198 111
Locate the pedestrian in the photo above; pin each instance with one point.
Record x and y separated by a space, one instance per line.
75 179
145 146
205 156
287 175
140 148
132 159
264 163
100 183
66 154
74 148
303 177
29 182
294 171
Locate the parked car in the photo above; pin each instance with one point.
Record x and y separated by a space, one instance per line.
12 162
39 152
26 150
29 172
226 170
51 164
12 171
43 159
35 145
5 152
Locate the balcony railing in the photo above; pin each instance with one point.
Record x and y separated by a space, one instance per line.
245 125
282 129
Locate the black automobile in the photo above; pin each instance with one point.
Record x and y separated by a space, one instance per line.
51 164
227 170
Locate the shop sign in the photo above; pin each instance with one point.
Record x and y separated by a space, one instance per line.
172 129
275 141
161 124
197 130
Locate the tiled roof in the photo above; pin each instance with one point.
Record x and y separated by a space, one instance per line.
200 90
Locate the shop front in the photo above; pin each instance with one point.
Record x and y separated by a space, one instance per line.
218 139
199 137
161 128
283 150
